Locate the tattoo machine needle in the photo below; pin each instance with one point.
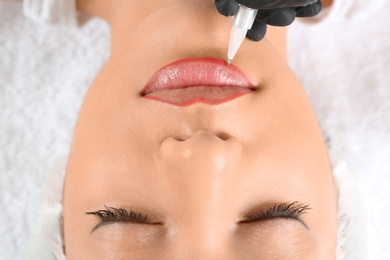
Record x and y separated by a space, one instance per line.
242 22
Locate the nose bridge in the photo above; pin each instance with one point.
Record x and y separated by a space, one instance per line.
202 171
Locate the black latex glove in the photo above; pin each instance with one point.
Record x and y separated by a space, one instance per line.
271 12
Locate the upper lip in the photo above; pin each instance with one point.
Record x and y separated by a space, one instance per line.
196 72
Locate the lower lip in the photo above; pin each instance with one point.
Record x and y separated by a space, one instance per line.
211 95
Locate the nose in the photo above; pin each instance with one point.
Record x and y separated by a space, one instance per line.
203 153
202 169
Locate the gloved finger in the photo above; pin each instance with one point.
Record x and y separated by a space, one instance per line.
227 7
263 15
310 10
257 32
282 16
272 4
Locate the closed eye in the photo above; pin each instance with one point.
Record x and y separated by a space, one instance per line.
293 210
111 215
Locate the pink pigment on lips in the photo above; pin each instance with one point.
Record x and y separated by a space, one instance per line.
189 81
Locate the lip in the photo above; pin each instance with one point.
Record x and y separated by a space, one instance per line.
193 80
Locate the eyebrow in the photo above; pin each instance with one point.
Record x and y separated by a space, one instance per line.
294 210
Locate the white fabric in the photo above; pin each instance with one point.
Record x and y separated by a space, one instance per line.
351 236
343 61
45 72
46 238
59 12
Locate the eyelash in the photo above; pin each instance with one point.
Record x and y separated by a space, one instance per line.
111 214
293 210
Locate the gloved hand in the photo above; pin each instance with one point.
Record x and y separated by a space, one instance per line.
271 12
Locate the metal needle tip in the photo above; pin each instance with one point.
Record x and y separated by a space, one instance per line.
228 62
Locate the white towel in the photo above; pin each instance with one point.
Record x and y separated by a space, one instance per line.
58 12
45 72
343 62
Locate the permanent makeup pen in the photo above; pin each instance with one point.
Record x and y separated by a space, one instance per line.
242 22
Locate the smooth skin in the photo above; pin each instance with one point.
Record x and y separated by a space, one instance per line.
196 170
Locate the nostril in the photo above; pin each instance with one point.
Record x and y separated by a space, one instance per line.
181 138
223 136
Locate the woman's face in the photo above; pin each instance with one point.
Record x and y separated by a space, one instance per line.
243 179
